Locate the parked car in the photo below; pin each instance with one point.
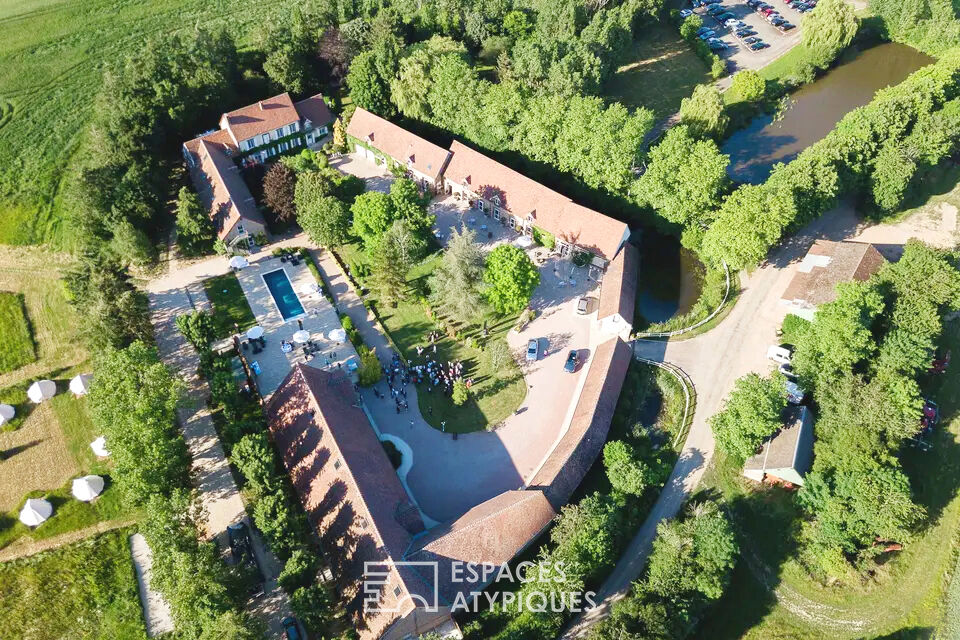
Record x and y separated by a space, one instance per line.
778 21
787 370
291 630
583 305
712 1
757 46
702 30
533 350
744 33
723 17
685 13
706 35
716 9
779 354
795 393
752 40
573 359
786 26
717 45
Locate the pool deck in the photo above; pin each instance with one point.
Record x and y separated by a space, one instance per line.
320 318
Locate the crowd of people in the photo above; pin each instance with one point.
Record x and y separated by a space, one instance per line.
429 372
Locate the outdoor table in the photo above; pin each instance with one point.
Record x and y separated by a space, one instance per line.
483 227
286 347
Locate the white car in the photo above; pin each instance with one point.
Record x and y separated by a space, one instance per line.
732 22
685 13
780 355
583 304
533 350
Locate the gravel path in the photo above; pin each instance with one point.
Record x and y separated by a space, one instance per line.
156 610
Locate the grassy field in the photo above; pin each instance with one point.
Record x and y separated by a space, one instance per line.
84 591
664 70
493 396
18 348
229 304
905 596
52 56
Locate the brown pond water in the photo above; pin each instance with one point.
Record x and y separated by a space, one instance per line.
816 108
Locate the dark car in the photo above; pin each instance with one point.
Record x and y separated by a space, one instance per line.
752 40
757 46
572 361
743 33
778 21
786 26
291 630
726 16
239 538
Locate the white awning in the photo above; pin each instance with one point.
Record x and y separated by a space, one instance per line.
255 333
239 262
337 335
301 337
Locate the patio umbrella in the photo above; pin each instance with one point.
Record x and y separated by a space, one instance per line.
99 447
301 337
524 241
239 262
80 385
308 288
35 512
337 335
6 413
255 333
87 488
42 390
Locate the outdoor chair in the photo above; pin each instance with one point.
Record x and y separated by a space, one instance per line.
283 257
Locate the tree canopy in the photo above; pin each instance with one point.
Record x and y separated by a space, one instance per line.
512 278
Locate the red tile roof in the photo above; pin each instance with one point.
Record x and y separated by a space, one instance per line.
260 117
223 189
315 110
579 447
492 533
347 485
618 291
814 285
522 196
401 145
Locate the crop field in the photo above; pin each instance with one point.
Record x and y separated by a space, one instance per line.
52 55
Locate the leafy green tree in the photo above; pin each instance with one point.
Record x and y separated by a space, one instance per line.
690 27
685 178
367 88
828 30
372 215
749 222
410 206
131 245
369 372
199 328
288 68
456 286
749 85
389 279
588 534
413 80
315 605
512 278
626 471
497 357
326 221
460 392
306 161
273 513
300 570
254 459
750 414
279 191
195 232
704 113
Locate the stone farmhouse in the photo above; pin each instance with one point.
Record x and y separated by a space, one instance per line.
826 265
248 136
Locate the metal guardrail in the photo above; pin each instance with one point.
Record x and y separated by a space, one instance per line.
689 393
677 332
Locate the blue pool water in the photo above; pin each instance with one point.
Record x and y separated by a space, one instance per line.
282 291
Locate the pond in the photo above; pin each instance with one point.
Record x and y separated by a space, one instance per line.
671 278
816 108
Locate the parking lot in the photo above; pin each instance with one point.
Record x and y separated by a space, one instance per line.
738 54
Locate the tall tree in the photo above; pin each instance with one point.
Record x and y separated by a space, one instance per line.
279 190
750 414
512 277
195 232
828 30
704 112
326 221
456 285
372 216
367 88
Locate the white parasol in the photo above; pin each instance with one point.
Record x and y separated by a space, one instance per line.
239 262
87 488
80 386
42 390
99 447
255 333
6 413
35 512
523 241
308 288
337 335
301 337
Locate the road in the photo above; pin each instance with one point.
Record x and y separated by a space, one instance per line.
736 347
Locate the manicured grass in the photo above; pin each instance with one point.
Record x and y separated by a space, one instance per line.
84 591
908 590
18 347
662 72
230 306
79 431
52 56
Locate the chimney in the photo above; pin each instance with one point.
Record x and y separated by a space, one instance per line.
260 103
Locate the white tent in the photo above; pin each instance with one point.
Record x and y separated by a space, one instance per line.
35 512
301 337
87 488
99 447
255 333
239 262
42 390
6 413
523 241
337 335
80 386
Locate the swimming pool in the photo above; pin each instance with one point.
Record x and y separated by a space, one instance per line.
288 304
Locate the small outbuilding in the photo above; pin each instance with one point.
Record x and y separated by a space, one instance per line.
787 454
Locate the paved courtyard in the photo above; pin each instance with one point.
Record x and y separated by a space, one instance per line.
319 319
376 177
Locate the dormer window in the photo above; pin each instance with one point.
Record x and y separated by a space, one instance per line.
369 137
496 199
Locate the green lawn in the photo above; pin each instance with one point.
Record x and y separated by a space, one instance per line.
662 72
18 347
906 594
51 59
84 591
230 306
494 395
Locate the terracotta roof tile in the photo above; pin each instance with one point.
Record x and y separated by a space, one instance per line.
522 196
315 110
401 145
815 283
223 189
618 291
260 117
579 447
